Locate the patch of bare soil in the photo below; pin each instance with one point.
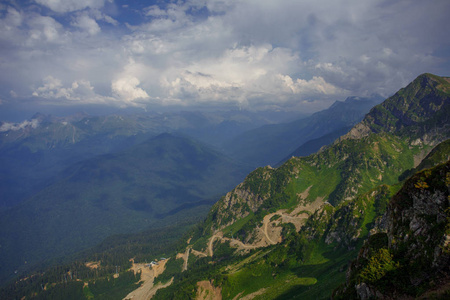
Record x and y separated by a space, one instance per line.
206 291
92 265
147 289
419 157
305 194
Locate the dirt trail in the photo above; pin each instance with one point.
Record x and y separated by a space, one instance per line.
270 232
254 294
186 258
266 222
211 241
240 245
297 217
147 290
198 253
233 242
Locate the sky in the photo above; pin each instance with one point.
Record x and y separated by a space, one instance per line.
246 54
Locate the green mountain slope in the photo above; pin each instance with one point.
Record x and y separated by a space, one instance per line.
314 145
163 180
310 263
353 165
261 211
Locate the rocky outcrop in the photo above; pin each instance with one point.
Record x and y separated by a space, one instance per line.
233 206
418 215
415 245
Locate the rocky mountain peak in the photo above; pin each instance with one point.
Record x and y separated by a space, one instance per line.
422 106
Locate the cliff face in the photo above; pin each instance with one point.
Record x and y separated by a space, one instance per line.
412 256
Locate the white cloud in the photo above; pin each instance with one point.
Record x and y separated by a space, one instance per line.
34 123
44 29
87 24
315 86
126 89
109 20
80 91
13 18
155 11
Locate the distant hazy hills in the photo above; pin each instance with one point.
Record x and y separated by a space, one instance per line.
159 181
270 144
33 152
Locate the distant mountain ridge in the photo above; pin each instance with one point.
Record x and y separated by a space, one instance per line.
270 144
33 152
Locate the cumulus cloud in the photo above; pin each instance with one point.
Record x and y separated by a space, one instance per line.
80 91
127 89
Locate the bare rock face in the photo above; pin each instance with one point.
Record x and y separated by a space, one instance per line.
235 205
359 131
366 292
415 232
418 216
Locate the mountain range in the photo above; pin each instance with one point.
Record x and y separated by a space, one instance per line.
34 152
115 174
289 232
366 216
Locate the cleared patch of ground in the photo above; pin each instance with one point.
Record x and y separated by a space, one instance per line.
206 291
92 264
147 289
